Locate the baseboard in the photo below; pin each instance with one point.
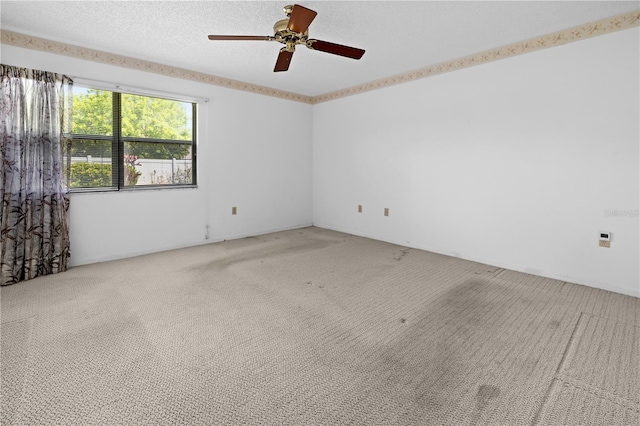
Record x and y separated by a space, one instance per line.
215 239
492 262
262 232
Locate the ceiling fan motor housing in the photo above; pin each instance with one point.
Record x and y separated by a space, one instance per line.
284 35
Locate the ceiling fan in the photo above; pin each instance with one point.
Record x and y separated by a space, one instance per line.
294 31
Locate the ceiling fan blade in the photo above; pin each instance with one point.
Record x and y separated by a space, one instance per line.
336 49
238 37
284 59
301 18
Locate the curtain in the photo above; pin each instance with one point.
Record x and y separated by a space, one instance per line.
35 117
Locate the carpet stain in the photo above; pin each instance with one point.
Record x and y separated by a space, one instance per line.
402 254
485 394
424 363
261 253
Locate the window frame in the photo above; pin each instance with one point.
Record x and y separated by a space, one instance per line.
118 144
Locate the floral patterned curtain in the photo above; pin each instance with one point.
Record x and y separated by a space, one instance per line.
35 115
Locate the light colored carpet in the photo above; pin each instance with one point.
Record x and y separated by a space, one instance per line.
310 327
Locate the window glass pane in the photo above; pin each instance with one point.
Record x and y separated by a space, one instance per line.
158 149
92 112
155 118
147 163
90 164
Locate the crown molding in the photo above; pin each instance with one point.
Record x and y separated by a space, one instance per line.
592 29
37 43
597 28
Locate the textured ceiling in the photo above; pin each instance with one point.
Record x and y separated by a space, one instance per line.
397 36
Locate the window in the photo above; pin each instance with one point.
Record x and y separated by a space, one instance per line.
126 141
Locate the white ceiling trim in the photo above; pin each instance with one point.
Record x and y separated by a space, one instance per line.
600 27
37 43
597 28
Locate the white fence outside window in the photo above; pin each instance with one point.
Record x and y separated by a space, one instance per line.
153 171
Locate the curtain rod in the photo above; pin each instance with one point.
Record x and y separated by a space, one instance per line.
111 86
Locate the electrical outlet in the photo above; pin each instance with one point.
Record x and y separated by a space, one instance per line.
359 208
234 210
386 211
604 243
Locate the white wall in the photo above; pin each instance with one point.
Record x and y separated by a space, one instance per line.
247 158
511 163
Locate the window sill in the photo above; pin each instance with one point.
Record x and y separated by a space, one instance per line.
130 189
